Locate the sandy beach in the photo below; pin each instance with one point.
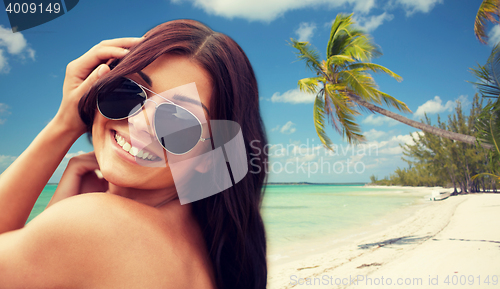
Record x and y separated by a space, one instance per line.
449 243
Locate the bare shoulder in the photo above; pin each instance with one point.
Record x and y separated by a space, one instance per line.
107 242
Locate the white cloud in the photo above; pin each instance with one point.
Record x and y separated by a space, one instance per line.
288 128
4 65
16 44
363 6
435 105
276 128
412 6
374 134
371 23
269 10
4 111
391 146
4 108
293 96
494 35
305 31
379 120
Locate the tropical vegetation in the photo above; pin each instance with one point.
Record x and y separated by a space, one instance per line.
343 85
488 11
436 161
488 123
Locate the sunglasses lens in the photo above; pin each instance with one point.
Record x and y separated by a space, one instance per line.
120 99
178 130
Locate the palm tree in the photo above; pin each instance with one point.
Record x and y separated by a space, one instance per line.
488 123
343 84
488 11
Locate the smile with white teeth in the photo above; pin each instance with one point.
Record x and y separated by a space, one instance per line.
133 150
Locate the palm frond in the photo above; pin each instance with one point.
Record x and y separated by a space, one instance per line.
488 11
362 48
339 60
488 125
308 54
363 85
493 64
391 101
319 122
344 114
310 84
489 74
375 68
360 83
339 37
484 175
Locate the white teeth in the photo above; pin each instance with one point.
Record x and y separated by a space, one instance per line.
126 147
133 150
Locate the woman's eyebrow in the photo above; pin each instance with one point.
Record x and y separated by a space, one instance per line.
190 100
145 78
148 80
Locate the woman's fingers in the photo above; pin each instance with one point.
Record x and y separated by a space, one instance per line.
107 49
91 79
83 164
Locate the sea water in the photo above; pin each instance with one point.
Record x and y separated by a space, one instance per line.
300 214
300 218
43 200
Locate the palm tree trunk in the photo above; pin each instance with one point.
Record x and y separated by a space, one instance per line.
419 125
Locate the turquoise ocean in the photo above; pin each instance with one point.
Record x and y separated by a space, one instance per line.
298 215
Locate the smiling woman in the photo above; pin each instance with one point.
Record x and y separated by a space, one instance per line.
150 110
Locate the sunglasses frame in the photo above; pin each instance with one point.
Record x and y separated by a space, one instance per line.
144 89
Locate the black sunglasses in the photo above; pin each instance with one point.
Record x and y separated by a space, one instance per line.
177 129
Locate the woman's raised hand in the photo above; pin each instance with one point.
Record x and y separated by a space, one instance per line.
82 73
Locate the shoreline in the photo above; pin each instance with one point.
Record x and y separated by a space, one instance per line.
307 247
422 235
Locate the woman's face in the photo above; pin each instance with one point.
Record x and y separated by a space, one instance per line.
119 167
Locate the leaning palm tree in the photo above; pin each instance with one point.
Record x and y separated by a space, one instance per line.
343 84
488 11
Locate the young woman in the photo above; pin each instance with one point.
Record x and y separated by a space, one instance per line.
132 231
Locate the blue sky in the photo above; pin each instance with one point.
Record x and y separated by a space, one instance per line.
430 43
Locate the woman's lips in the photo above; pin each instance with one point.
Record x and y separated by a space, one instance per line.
134 151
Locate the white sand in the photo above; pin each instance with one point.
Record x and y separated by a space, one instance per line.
456 240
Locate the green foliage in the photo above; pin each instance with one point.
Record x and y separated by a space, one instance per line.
489 75
344 74
488 121
488 11
436 161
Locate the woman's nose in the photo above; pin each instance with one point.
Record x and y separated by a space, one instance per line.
142 121
141 125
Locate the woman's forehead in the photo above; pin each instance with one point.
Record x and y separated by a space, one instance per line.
171 70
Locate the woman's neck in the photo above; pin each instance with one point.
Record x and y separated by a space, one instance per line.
149 197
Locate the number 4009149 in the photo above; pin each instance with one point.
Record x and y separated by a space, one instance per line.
33 8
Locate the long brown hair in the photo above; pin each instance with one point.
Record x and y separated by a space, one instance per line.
230 220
